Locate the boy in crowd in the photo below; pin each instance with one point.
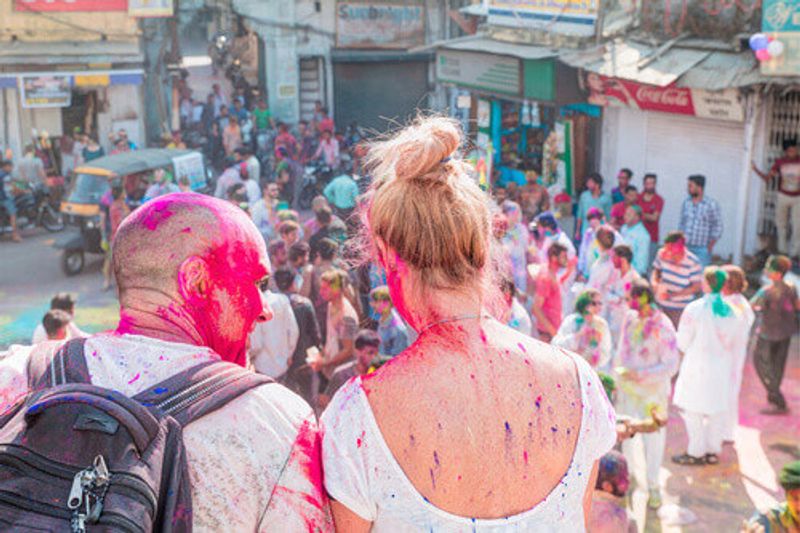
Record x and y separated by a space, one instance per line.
778 305
391 329
63 302
609 514
55 323
367 345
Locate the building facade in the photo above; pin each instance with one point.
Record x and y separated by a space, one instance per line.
67 65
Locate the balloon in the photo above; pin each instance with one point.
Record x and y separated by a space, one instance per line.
763 54
775 48
758 41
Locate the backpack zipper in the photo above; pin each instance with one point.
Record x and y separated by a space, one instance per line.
110 518
49 467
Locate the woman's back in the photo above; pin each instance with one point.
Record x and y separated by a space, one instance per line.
501 433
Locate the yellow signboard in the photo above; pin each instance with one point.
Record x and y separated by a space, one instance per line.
92 80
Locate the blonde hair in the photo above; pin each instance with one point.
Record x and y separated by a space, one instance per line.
424 205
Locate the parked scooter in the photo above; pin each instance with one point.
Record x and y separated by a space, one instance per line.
35 207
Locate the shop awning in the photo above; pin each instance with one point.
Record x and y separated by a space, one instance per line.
484 43
59 53
703 65
636 62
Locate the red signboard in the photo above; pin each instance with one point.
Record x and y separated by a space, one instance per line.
616 92
71 5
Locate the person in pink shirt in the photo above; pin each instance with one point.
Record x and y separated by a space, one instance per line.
328 149
548 303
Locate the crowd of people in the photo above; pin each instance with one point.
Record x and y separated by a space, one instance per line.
464 354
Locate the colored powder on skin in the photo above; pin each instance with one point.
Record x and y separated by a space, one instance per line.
135 378
522 347
553 429
436 458
539 401
158 214
483 336
187 229
525 456
433 478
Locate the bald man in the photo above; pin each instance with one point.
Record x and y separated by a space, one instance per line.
191 270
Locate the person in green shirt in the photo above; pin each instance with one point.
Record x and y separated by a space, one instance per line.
263 116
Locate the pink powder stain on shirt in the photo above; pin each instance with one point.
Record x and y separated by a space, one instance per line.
307 456
522 347
525 456
360 440
135 378
187 229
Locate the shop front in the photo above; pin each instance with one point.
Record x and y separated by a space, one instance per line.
521 113
675 132
42 107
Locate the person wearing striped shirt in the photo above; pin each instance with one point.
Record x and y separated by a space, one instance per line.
676 277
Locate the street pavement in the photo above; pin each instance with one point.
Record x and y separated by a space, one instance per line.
718 497
30 274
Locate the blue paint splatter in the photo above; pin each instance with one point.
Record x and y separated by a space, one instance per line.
160 390
436 458
553 429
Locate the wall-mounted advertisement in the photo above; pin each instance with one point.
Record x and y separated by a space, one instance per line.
45 91
379 25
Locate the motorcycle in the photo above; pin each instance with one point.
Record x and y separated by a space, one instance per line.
315 177
36 206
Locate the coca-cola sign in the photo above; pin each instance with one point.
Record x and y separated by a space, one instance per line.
722 105
663 97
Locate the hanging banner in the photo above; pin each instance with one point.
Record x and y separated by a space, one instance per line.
71 5
615 92
379 25
574 17
45 91
150 8
190 166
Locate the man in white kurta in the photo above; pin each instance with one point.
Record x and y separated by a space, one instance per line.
709 333
645 361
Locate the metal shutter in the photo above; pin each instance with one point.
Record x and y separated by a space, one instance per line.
678 146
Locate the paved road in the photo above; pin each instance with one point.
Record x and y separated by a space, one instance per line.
30 273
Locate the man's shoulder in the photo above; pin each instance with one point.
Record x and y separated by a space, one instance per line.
269 407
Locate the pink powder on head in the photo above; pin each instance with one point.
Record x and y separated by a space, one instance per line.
159 212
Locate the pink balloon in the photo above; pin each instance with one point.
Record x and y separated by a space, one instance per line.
763 54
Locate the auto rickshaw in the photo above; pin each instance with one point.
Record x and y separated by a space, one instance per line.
134 170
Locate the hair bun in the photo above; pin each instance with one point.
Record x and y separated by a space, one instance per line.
418 150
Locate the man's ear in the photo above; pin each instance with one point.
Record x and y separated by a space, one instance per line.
193 279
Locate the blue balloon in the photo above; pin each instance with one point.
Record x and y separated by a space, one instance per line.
758 41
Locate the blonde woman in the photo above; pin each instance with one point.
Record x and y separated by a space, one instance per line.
475 426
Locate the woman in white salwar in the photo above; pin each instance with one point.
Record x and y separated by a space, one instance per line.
709 332
732 292
585 332
645 361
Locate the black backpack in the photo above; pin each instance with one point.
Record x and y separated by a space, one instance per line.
78 457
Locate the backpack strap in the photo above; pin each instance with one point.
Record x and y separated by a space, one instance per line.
200 390
51 364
